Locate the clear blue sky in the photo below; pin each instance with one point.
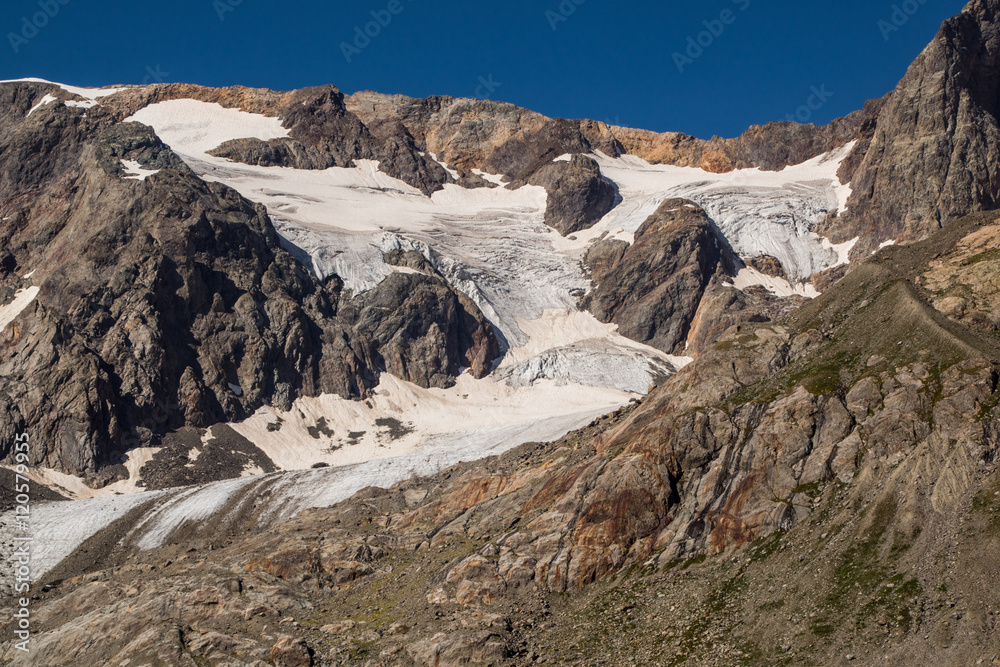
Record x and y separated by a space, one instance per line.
607 60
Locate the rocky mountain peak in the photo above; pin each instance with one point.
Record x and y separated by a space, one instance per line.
933 154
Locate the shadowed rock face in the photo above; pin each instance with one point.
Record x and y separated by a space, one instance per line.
579 196
169 302
424 330
653 292
934 153
672 287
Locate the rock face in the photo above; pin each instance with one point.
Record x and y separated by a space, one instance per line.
652 293
933 152
323 134
168 301
579 196
672 288
424 331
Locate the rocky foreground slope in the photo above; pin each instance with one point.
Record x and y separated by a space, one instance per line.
820 487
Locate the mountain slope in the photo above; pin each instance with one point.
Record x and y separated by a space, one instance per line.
820 453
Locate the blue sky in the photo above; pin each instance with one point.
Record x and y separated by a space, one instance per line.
757 61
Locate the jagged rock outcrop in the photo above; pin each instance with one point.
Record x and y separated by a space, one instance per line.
324 134
652 293
672 288
167 301
934 153
579 196
723 306
423 329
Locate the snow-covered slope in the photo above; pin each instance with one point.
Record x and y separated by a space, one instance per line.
758 212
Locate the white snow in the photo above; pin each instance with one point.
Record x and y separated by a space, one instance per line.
568 157
451 172
22 299
885 244
134 171
28 276
843 250
236 389
45 100
748 277
758 212
492 178
193 128
86 104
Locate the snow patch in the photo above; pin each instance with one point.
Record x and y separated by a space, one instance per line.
22 299
749 277
498 179
843 250
86 104
134 171
568 157
45 100
194 128
883 245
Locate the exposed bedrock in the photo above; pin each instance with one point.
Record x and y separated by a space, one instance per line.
169 301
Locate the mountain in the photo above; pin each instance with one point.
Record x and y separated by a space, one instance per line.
929 157
326 379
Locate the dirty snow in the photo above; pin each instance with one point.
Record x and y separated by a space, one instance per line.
749 277
22 299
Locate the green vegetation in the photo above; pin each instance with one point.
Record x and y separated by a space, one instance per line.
992 255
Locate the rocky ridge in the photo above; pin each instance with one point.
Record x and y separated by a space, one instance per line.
930 153
169 301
